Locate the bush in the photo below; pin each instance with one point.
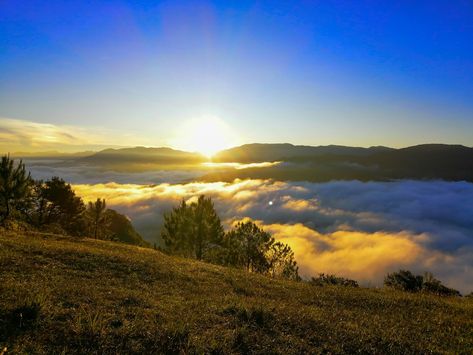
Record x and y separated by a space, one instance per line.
323 280
405 280
432 285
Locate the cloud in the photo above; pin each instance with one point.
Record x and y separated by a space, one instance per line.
27 136
351 228
77 173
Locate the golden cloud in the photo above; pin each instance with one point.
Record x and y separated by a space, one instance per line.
27 136
360 255
360 243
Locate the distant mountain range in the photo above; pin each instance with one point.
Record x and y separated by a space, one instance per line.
310 163
324 163
257 152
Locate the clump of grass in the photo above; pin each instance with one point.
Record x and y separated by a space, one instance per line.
89 322
239 288
175 340
251 316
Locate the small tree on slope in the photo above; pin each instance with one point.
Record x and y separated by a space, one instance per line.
14 186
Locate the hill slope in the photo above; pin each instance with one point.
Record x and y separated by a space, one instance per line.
86 296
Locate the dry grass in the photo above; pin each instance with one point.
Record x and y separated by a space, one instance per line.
60 295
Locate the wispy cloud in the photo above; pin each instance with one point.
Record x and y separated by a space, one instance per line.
27 136
355 229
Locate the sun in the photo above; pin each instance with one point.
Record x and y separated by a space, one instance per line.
206 136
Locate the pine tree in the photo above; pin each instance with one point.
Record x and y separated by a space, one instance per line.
64 207
14 186
247 246
193 230
250 247
96 212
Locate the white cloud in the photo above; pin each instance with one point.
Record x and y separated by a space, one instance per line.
355 229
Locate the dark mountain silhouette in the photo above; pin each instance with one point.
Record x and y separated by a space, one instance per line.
257 152
318 163
427 161
143 155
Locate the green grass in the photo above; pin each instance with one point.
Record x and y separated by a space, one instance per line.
63 295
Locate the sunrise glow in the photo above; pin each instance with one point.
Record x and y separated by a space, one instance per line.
206 135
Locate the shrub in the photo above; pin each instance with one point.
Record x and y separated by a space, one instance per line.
324 279
432 285
405 280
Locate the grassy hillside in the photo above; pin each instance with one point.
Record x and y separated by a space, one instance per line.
60 295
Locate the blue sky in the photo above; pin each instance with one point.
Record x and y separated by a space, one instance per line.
306 72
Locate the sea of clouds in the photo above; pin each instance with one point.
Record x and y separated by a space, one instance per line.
360 230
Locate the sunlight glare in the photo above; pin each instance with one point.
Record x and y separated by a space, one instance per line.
206 136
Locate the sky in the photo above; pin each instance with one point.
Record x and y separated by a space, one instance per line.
78 75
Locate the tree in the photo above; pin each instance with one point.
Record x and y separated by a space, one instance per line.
282 262
120 228
247 246
250 247
14 186
193 230
36 204
96 212
64 207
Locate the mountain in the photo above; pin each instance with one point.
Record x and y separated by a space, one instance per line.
258 152
143 154
319 164
83 296
426 161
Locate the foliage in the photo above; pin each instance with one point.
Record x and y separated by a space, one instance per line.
64 207
432 285
96 213
248 246
405 280
53 206
119 228
14 187
193 230
332 280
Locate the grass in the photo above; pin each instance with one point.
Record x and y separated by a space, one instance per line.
61 295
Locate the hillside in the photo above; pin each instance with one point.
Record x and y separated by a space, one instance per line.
63 295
